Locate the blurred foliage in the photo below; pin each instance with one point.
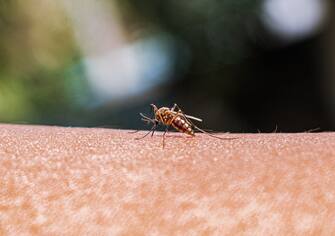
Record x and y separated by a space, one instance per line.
212 29
217 35
40 74
36 45
42 70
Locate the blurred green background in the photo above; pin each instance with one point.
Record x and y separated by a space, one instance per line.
242 66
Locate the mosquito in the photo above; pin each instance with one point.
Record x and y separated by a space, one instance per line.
176 118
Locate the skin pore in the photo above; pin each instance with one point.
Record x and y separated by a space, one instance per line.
86 181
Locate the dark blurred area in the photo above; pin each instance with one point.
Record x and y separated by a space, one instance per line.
241 66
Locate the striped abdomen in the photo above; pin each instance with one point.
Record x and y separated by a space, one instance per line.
182 125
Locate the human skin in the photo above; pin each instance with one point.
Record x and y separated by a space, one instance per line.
87 181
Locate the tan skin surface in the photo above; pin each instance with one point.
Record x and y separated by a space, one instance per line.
74 181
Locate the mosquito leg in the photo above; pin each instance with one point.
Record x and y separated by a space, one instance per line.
214 136
145 118
183 114
196 127
133 132
166 130
152 130
312 130
174 107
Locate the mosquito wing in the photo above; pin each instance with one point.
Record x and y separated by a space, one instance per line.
189 117
193 118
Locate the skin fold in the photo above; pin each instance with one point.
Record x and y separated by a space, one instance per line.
87 181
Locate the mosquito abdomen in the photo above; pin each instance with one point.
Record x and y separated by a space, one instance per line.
182 125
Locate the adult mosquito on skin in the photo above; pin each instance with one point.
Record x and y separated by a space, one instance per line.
176 118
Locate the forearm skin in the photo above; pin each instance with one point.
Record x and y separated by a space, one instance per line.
81 181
